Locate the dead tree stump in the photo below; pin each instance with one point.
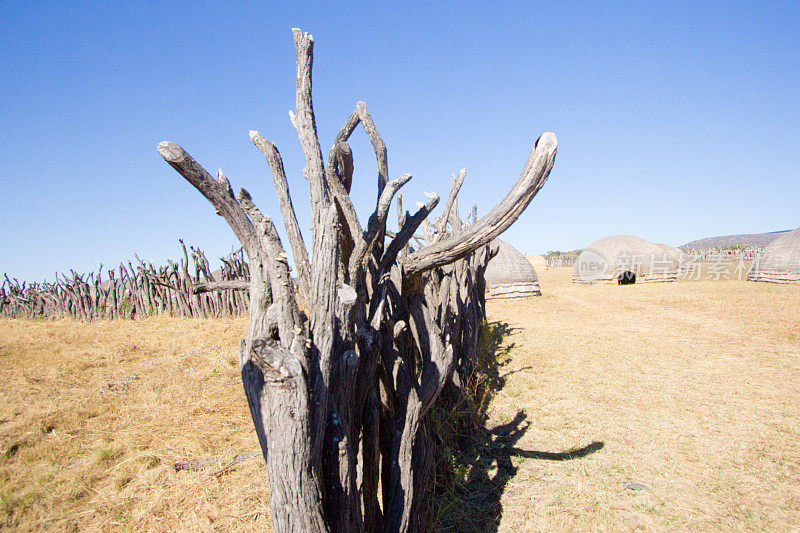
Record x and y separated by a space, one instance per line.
340 394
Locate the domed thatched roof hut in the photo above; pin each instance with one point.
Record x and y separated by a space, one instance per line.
537 261
779 262
676 254
624 259
510 275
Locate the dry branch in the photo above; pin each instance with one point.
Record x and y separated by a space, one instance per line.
537 169
296 241
220 465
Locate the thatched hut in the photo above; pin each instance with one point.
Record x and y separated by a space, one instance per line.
676 254
673 253
537 261
509 274
624 259
779 262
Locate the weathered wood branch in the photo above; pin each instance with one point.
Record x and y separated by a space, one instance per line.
299 251
341 160
235 285
377 221
456 183
377 144
305 124
342 198
410 225
446 251
220 195
348 127
437 350
217 465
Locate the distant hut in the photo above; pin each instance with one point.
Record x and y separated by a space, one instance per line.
509 274
779 261
537 261
673 253
625 259
676 254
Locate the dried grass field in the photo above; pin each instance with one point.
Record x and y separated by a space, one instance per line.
693 389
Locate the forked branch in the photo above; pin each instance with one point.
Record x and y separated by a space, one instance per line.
406 233
446 251
377 221
456 184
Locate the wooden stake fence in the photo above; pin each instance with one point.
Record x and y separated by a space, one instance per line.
135 291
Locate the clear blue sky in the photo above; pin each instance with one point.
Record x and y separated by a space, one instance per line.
675 120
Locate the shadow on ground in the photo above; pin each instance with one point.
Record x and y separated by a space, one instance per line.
477 465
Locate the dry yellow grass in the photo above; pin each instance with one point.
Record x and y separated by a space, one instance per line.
92 417
693 387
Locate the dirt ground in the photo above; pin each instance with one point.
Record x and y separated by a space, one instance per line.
683 399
